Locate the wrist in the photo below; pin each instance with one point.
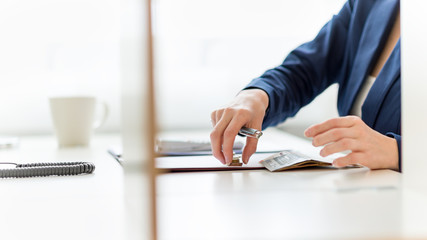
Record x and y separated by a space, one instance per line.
257 94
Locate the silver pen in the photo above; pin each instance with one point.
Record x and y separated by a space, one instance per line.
249 132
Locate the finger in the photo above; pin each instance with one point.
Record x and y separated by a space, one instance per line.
341 145
213 118
216 143
342 122
228 139
249 149
216 116
216 137
350 159
333 135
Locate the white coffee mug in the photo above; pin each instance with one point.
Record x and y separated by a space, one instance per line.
73 119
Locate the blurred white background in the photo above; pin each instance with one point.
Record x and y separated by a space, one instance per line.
206 51
56 47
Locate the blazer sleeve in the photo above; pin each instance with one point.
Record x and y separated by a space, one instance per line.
307 71
399 146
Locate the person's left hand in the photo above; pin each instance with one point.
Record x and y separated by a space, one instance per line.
368 147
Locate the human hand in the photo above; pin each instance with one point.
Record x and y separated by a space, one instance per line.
247 109
368 147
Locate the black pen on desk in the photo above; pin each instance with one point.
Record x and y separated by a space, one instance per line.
249 132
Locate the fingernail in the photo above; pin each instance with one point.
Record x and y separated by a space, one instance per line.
334 163
220 158
224 160
227 160
315 142
307 132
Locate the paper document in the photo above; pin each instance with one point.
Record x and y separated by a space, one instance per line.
280 161
189 147
197 156
205 163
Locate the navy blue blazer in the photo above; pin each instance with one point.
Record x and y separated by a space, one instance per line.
345 52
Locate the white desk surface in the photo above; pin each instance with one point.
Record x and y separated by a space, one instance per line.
296 204
68 207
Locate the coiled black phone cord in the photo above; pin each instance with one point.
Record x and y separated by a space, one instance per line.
46 169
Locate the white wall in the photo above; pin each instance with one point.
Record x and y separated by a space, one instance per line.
54 47
207 50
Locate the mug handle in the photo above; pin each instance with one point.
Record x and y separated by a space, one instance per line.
105 112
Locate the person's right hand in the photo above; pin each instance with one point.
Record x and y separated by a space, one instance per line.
247 109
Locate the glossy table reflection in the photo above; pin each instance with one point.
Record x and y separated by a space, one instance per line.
315 203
